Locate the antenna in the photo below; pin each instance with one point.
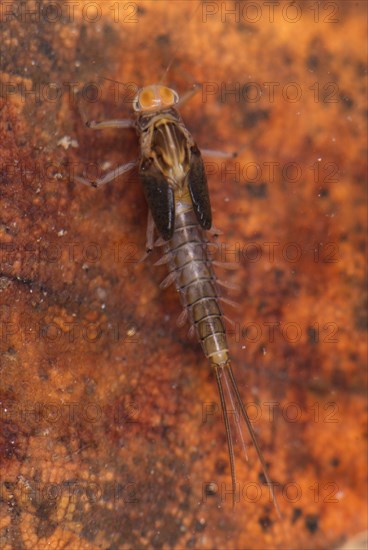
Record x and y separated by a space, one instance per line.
177 47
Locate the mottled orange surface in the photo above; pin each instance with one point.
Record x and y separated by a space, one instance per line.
111 433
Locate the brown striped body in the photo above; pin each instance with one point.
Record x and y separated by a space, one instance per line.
175 185
171 150
174 182
196 282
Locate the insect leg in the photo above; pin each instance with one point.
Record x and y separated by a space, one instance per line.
150 236
113 174
114 123
150 232
218 154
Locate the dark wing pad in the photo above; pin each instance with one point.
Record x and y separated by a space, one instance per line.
160 198
197 183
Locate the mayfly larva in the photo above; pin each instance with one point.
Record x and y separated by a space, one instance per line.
174 182
175 185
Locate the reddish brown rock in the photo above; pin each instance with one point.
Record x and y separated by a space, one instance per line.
105 442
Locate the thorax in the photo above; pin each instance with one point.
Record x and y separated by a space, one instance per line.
164 138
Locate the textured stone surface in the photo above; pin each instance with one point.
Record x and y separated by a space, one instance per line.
103 439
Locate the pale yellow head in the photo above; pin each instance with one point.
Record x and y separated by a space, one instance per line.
154 97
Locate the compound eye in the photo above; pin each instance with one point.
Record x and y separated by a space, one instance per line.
146 99
168 96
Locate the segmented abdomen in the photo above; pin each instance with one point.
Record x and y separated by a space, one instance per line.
195 280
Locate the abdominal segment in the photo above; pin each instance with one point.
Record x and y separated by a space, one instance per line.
196 283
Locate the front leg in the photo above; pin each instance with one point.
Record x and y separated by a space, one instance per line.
114 123
95 125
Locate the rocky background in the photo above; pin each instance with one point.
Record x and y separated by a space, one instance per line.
111 432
